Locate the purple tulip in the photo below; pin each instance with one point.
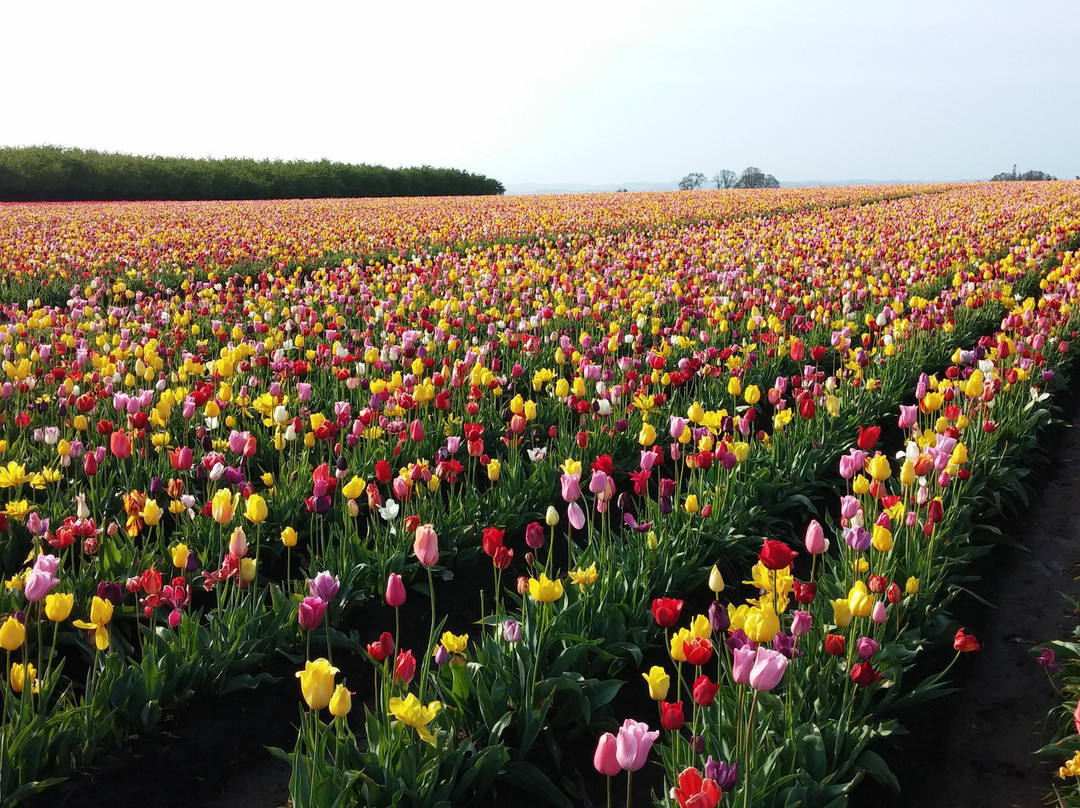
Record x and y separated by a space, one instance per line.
324 586
718 617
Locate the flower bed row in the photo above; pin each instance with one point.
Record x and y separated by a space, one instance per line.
348 421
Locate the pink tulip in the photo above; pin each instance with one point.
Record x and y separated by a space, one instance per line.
605 758
426 546
769 667
849 506
633 744
576 516
742 664
598 482
311 613
909 416
815 538
571 487
395 590
416 431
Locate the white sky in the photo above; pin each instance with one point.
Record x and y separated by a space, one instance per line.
553 91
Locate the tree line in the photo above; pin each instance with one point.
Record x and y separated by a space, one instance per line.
1027 176
751 177
53 173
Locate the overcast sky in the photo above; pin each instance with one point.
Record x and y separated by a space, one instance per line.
559 92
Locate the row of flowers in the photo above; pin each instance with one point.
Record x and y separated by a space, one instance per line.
134 449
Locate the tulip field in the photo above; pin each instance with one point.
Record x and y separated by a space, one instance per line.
685 480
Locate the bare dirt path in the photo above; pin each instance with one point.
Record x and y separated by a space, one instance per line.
974 747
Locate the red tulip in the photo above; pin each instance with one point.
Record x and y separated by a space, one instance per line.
775 555
697 650
671 715
965 642
863 673
868 437
405 668
666 611
705 691
695 791
492 541
835 644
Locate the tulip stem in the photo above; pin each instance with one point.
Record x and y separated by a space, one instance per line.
746 774
629 777
608 792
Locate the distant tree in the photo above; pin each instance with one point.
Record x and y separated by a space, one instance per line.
691 182
725 178
754 177
1027 176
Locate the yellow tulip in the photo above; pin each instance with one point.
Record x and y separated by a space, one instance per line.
19 675
659 683
354 488
58 606
152 512
256 511
12 634
288 537
841 613
454 643
752 394
494 470
412 713
879 467
912 586
340 702
180 556
882 539
860 601
545 590
716 580
222 506
676 644
317 682
647 436
762 624
691 504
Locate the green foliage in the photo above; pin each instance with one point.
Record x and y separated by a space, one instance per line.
54 173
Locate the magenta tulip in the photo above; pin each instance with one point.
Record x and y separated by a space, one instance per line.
395 590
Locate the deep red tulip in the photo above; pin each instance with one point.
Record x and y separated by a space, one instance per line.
671 715
705 691
666 611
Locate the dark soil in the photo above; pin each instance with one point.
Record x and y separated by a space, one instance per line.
975 747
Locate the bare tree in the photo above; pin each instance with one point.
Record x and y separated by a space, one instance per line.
725 178
691 182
